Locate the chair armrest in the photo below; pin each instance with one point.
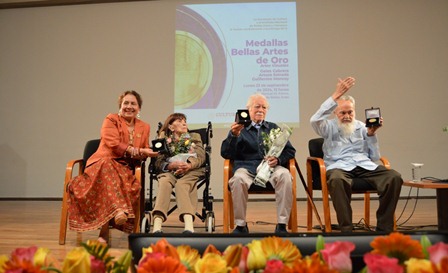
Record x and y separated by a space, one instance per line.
228 169
69 169
322 171
320 162
385 162
292 165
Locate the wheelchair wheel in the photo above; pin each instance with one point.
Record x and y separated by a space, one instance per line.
146 224
210 222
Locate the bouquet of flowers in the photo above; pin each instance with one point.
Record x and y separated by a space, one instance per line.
273 144
393 253
93 256
180 149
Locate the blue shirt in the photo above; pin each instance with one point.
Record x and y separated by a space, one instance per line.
341 152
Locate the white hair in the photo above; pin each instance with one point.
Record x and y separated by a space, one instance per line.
250 101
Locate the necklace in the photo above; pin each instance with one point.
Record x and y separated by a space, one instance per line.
129 123
131 137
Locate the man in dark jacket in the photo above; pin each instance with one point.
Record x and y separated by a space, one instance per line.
244 145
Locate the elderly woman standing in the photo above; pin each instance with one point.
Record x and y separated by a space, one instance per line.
108 192
179 169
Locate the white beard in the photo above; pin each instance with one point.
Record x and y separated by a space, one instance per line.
347 128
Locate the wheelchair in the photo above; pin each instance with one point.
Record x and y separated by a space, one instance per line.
206 215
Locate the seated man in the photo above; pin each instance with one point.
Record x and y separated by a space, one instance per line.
350 149
244 145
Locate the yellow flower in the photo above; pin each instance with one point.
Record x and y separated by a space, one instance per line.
414 265
40 256
77 260
211 263
397 245
188 256
256 258
3 259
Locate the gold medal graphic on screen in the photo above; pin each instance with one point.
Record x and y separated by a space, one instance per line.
193 69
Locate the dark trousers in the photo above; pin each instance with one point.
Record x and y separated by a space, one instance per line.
386 181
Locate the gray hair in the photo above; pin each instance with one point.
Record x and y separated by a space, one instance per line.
348 98
254 96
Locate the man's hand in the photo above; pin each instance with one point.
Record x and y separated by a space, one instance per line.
236 128
343 86
371 131
272 161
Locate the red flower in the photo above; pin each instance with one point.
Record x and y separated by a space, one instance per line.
160 263
337 255
273 266
437 252
377 263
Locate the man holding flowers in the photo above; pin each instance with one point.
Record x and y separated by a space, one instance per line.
244 145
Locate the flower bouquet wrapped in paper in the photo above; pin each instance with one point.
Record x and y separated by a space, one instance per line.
274 142
181 149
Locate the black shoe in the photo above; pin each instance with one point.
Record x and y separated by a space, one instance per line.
158 232
346 229
187 232
280 228
241 230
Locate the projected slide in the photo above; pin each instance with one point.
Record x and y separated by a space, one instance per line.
226 52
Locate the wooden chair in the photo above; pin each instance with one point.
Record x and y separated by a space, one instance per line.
71 171
317 180
228 219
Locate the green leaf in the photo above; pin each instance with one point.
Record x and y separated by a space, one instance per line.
123 263
425 242
320 244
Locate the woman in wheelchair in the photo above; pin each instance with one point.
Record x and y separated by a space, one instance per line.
108 192
180 168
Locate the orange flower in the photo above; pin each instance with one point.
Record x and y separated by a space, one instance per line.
211 249
162 246
233 254
283 250
160 263
310 264
442 267
15 264
397 245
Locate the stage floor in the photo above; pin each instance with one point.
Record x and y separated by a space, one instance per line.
26 223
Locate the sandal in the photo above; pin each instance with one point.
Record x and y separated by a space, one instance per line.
120 218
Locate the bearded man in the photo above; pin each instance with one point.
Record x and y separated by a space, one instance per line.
350 150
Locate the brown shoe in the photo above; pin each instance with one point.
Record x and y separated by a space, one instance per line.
120 218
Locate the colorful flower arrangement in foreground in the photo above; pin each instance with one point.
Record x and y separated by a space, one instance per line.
394 253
